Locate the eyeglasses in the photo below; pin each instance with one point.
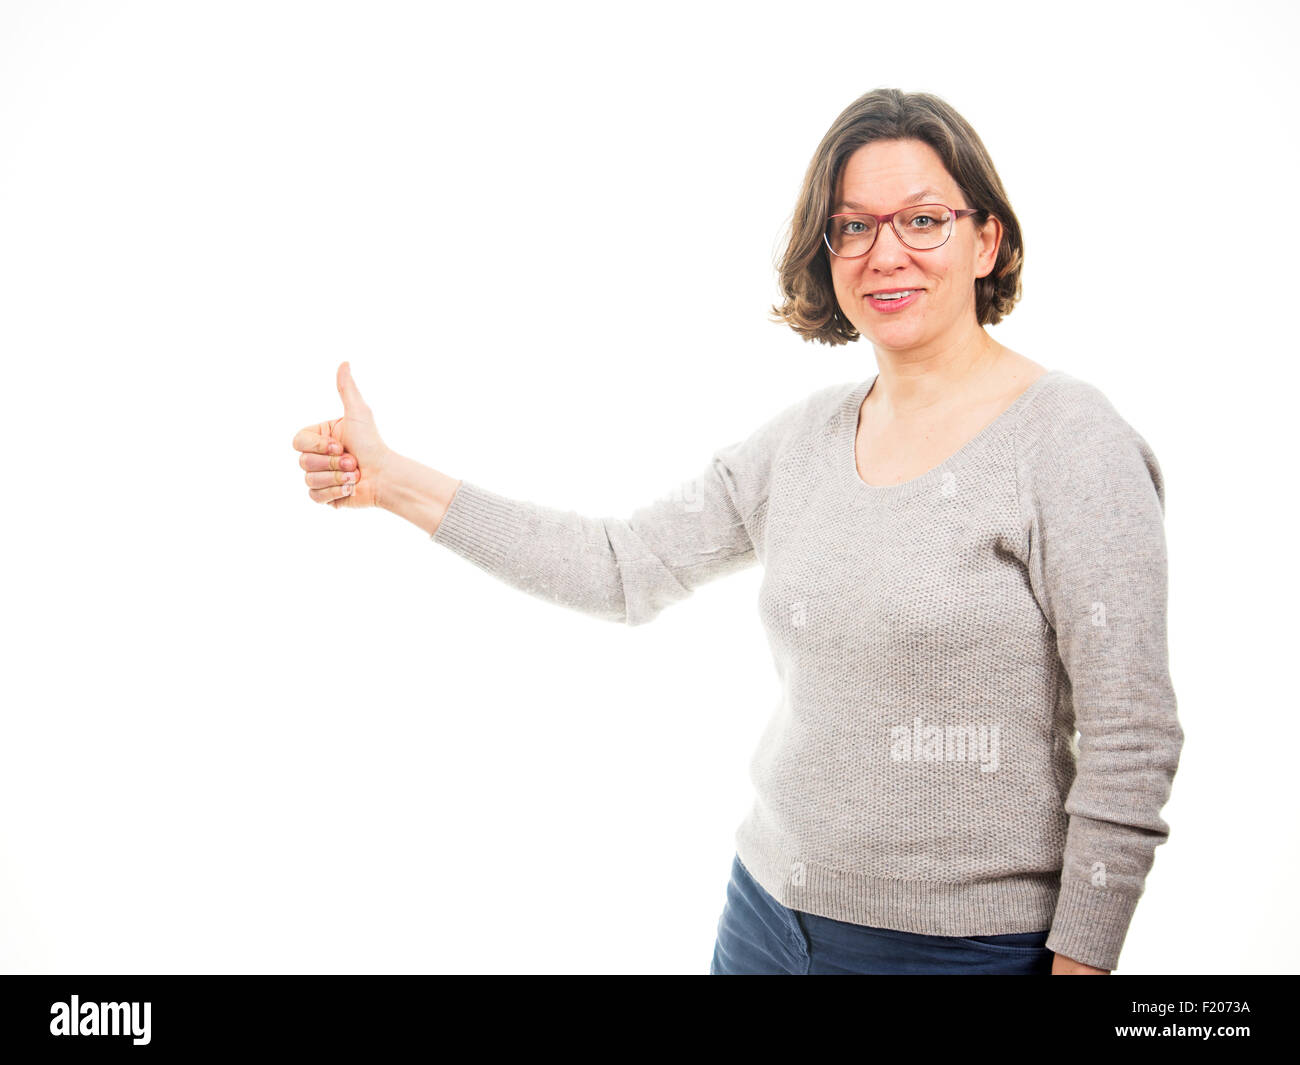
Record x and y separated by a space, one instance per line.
921 227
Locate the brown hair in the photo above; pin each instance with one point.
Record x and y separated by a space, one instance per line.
810 306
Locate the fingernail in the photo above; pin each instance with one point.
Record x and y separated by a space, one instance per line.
347 489
336 449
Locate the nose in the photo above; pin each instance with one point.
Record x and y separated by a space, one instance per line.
888 252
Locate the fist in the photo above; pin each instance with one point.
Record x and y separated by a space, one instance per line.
345 457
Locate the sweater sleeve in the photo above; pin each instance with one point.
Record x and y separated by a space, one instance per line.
626 570
1092 498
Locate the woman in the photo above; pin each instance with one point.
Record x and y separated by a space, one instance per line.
964 560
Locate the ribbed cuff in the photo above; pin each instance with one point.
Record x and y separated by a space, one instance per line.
1090 925
480 525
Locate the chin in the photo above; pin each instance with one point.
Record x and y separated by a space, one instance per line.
905 336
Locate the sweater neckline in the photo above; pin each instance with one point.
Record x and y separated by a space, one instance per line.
905 489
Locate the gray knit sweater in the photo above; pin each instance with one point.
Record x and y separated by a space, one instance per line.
938 643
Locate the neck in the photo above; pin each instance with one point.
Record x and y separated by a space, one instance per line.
911 385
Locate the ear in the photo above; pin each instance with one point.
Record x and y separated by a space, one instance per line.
987 242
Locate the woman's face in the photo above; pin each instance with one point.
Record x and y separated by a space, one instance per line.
881 177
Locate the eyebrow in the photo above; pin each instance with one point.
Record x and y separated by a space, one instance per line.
916 197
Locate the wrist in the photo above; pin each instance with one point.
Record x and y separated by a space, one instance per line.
414 491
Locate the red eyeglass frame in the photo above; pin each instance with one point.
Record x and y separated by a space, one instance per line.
882 220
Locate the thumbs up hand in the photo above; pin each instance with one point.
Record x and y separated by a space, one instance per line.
344 458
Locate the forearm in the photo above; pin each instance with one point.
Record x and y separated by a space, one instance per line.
625 570
416 492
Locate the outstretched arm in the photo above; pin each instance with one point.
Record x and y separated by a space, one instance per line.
621 569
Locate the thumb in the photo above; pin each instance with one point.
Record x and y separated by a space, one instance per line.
353 404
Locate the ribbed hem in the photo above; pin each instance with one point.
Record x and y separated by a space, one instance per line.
1022 903
1085 924
480 525
1090 925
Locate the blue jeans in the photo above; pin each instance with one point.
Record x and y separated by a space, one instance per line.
759 936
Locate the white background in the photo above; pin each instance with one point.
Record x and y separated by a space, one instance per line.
243 732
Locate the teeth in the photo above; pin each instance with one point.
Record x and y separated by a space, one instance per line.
892 295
